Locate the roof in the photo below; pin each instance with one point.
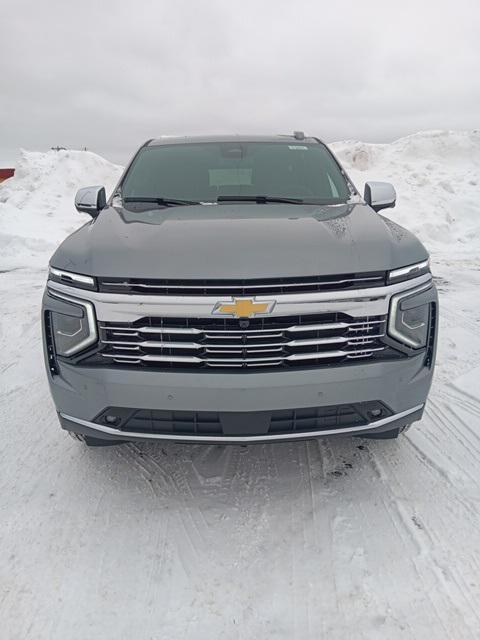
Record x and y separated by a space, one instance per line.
229 138
6 173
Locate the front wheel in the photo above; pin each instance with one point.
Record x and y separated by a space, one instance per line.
386 435
93 442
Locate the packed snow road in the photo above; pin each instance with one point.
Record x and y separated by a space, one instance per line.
335 538
332 538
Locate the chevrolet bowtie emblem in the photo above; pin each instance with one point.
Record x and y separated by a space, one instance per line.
243 308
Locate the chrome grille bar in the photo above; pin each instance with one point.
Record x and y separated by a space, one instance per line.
326 326
262 344
152 344
238 335
241 361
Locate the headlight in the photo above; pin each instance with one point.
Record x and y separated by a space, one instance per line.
72 279
74 327
411 271
409 317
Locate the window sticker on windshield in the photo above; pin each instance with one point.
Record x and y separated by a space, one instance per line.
230 177
297 147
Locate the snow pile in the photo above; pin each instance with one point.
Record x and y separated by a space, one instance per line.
36 205
437 178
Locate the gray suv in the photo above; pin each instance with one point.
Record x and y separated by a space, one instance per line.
238 289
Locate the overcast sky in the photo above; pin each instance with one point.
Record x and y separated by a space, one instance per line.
109 74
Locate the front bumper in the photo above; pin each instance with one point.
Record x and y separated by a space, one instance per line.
108 433
83 393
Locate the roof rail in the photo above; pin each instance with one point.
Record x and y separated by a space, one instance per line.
299 135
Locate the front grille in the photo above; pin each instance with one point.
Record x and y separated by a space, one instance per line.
225 343
211 423
259 286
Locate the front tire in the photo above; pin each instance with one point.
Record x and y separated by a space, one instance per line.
93 442
386 435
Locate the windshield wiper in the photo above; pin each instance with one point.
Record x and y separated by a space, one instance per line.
166 202
259 199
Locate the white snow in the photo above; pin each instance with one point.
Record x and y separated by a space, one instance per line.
36 211
337 538
437 178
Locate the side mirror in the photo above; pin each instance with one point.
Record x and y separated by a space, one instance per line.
91 200
380 195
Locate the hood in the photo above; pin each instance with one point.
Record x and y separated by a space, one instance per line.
238 241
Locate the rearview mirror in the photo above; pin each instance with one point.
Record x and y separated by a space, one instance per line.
380 195
91 200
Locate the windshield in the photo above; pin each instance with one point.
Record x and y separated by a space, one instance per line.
205 172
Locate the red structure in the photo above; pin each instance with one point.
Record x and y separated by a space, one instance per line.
6 173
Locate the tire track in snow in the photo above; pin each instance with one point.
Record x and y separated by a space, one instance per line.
454 428
466 436
462 398
413 531
457 318
365 570
401 524
200 543
193 529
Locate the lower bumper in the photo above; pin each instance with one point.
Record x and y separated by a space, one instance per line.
81 394
101 431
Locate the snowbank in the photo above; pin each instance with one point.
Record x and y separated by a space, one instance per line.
436 174
437 178
36 205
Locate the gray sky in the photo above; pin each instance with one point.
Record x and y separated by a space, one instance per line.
108 74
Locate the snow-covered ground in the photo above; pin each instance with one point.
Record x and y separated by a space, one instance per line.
337 538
